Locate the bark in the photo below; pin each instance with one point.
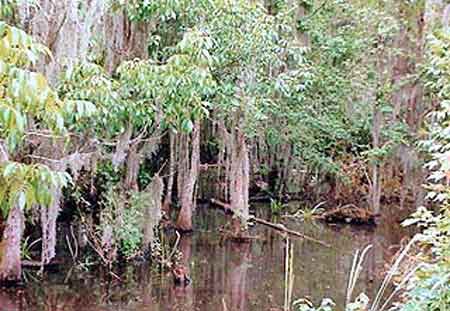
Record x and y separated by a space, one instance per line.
10 257
132 167
76 162
235 180
240 181
122 147
123 39
152 212
224 162
69 27
187 175
10 261
286 168
300 14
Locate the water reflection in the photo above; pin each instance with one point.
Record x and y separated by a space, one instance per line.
225 275
239 263
182 297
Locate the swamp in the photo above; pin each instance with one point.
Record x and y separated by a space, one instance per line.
232 155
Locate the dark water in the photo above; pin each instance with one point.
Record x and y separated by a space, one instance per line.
238 276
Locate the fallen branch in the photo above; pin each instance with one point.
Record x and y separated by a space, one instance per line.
226 207
38 263
281 227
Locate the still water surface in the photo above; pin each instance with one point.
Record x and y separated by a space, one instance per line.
225 275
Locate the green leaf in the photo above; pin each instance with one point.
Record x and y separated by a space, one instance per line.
187 126
9 169
21 200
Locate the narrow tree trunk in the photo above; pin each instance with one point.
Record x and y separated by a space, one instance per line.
189 174
376 183
224 167
172 167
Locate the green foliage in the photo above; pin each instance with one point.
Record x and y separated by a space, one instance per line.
177 88
276 207
308 214
28 185
6 8
124 213
313 96
165 10
122 220
430 288
26 247
89 83
333 114
26 96
130 234
145 94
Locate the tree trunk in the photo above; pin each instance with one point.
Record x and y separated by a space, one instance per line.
240 180
376 179
187 174
10 261
124 39
172 168
132 166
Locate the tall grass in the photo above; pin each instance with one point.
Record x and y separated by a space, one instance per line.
288 274
357 266
381 300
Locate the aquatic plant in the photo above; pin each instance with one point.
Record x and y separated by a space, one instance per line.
307 213
276 207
